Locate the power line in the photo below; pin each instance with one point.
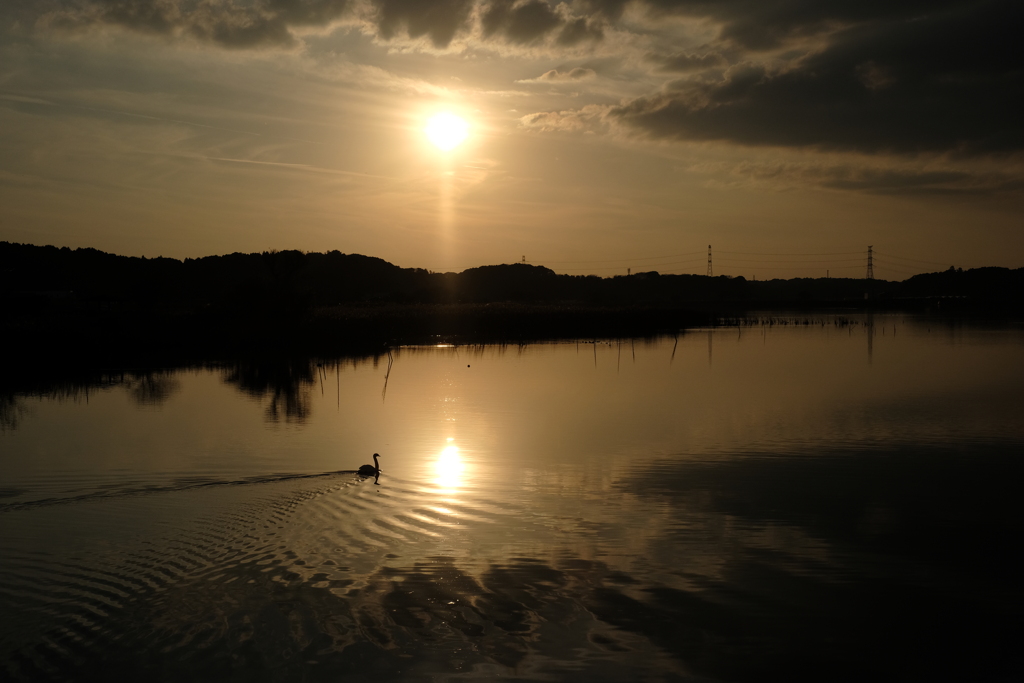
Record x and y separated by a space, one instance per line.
741 260
630 260
806 267
673 263
904 258
757 253
853 267
898 267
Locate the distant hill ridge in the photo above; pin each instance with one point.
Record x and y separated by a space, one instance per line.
295 281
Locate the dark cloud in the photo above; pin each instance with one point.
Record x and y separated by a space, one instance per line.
231 28
308 12
439 20
579 30
683 62
254 23
764 24
522 22
882 180
230 24
950 80
157 17
607 9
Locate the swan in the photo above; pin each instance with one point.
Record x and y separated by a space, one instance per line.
370 470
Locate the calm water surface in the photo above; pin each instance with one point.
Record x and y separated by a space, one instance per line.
817 502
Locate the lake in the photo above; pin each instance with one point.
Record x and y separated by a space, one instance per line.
809 498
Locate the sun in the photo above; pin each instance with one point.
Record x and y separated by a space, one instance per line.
446 131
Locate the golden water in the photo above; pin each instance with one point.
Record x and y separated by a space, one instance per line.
794 502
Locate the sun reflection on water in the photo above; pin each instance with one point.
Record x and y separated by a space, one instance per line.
449 468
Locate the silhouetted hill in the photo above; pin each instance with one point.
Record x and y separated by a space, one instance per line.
515 282
59 300
997 285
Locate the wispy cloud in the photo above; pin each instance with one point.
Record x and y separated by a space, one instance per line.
587 119
306 168
926 176
555 76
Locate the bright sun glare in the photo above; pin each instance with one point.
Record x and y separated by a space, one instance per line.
446 131
449 467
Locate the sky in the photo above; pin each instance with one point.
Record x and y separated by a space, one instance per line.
603 136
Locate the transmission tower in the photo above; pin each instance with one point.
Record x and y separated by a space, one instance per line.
710 272
871 265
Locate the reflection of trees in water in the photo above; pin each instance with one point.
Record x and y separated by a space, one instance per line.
287 383
151 389
12 408
284 384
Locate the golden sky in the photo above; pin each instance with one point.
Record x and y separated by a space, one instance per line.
601 135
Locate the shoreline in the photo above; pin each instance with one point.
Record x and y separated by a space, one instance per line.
100 337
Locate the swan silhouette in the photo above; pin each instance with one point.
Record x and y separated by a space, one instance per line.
370 470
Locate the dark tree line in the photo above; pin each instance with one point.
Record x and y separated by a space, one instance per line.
293 281
60 301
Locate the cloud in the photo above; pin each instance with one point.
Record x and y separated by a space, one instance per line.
607 9
893 181
222 22
762 25
439 20
588 119
682 62
945 81
518 22
272 23
930 176
580 30
768 24
555 76
871 77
